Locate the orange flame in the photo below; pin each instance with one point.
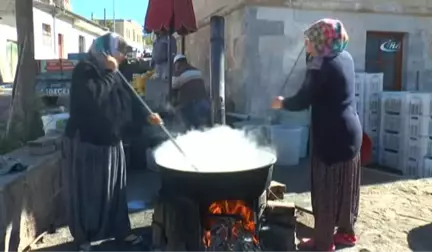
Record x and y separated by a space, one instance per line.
234 207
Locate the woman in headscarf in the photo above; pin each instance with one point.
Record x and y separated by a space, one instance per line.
94 166
336 134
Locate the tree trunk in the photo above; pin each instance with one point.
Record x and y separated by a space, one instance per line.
24 122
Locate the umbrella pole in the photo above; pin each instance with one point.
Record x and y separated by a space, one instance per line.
183 45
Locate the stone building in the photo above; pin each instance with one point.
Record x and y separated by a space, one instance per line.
264 37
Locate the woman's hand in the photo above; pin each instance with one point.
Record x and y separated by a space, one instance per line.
277 103
155 119
111 63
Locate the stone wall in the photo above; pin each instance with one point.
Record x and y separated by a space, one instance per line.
30 201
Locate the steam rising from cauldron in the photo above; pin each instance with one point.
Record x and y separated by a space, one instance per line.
219 149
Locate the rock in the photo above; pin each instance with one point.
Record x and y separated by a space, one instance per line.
276 190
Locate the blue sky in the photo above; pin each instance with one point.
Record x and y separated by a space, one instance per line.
124 9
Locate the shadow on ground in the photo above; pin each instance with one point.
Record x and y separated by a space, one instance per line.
419 238
297 177
303 231
110 245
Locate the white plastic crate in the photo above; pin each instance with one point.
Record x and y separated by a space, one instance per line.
375 155
418 148
360 84
417 151
361 117
360 108
427 168
372 103
419 126
371 122
391 159
373 83
414 167
394 123
392 141
359 103
420 104
394 102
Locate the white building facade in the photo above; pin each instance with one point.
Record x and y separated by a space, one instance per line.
56 34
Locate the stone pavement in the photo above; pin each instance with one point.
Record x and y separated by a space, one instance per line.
143 186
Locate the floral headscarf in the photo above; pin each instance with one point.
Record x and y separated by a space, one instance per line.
328 36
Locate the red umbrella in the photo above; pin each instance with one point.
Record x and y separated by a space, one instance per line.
170 16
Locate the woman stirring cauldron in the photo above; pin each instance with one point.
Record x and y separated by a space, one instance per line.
94 166
336 134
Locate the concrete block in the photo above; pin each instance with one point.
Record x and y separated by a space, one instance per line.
276 190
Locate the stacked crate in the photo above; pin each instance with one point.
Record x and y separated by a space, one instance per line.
373 87
419 135
393 130
359 94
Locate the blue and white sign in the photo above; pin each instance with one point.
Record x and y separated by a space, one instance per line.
390 46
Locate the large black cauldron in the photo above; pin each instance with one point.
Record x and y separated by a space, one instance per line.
238 185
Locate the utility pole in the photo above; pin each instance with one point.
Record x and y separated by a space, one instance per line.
114 20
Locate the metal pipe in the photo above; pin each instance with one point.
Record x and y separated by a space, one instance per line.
183 45
217 69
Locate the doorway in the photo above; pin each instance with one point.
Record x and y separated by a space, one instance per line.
384 54
60 45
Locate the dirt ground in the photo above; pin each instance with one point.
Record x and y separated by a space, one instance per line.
394 213
393 217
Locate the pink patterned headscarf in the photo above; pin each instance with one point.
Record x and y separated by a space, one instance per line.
328 36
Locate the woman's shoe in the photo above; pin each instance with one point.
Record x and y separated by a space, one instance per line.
133 239
309 244
345 239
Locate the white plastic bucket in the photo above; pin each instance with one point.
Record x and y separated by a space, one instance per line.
54 122
303 139
287 141
298 119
